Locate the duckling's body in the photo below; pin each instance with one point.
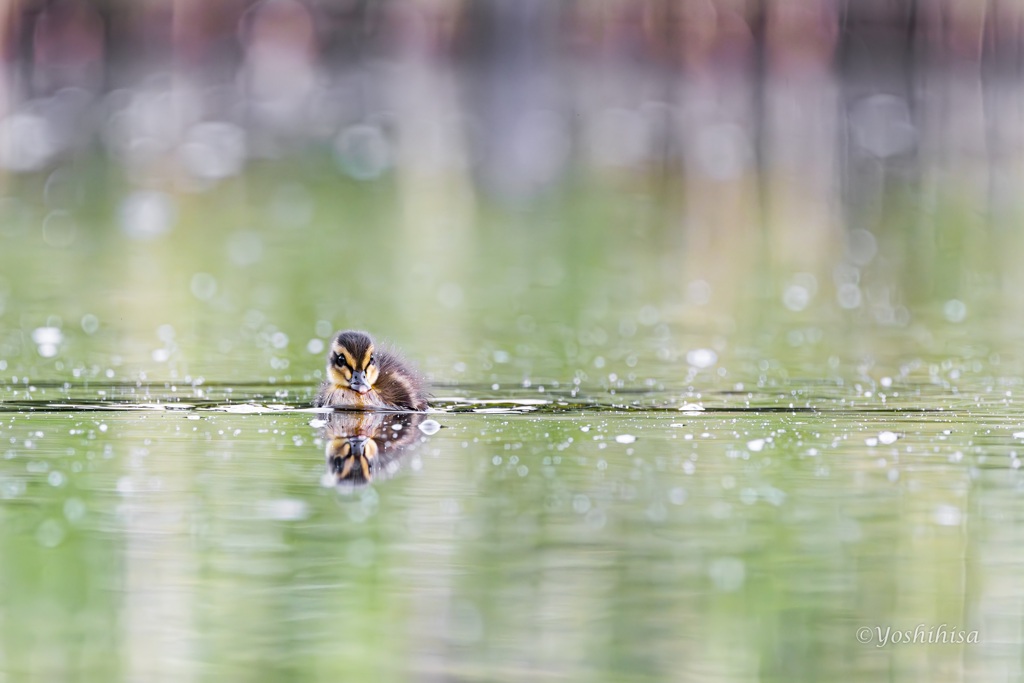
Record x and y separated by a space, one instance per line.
362 377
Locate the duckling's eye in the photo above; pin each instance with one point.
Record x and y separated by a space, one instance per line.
373 359
340 361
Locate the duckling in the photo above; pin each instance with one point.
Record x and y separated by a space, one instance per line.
363 377
362 445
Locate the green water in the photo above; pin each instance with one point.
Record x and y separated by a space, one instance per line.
664 454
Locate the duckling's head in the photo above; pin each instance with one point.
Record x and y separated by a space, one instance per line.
351 459
351 363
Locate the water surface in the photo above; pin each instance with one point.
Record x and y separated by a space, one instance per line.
659 458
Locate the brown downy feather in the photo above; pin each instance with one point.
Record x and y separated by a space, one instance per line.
398 384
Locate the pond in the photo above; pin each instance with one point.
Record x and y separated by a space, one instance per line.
667 441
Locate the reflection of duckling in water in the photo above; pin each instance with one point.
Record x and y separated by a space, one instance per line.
361 445
363 377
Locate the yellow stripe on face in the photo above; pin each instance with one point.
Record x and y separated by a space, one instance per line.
342 351
366 357
339 447
346 469
338 376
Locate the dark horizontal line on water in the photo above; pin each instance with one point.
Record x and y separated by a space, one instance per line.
458 398
181 384
538 388
462 406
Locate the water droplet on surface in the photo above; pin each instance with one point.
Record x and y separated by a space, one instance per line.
363 152
581 503
147 214
701 358
886 438
203 286
50 533
245 248
27 142
861 247
64 189
47 340
649 314
59 229
748 496
698 292
756 445
796 298
47 335
882 126
11 488
213 150
90 323
625 438
74 509
430 427
848 295
947 515
955 311
727 574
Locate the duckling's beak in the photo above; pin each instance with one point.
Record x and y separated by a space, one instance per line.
358 382
357 446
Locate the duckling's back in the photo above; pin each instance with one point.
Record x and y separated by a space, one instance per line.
398 384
